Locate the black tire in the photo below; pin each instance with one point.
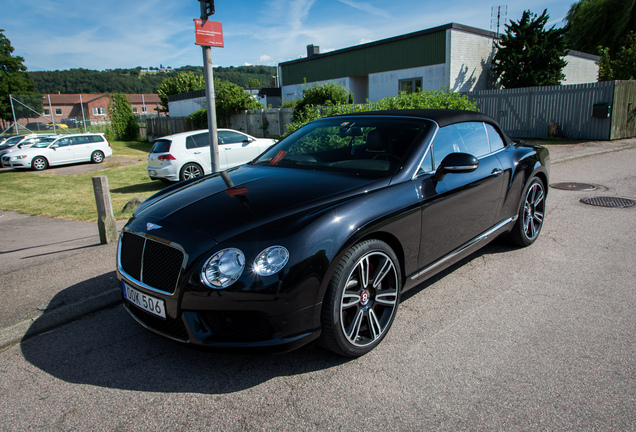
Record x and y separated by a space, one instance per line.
531 214
39 163
189 171
97 157
362 299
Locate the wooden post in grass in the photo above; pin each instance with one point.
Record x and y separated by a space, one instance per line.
105 219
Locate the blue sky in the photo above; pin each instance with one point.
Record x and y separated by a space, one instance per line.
109 34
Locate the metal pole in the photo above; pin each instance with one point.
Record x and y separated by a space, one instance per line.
52 117
15 122
83 116
211 100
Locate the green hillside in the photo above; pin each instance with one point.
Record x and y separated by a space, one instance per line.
135 81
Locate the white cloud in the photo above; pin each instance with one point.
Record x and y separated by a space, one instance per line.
366 7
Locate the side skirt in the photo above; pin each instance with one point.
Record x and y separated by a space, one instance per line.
460 253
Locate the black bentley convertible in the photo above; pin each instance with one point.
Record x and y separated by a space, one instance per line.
320 235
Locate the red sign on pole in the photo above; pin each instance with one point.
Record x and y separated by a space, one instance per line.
208 33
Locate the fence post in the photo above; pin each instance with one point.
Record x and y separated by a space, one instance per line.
105 219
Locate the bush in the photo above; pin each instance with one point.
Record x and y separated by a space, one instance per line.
330 94
440 99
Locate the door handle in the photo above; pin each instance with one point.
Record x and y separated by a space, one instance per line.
496 172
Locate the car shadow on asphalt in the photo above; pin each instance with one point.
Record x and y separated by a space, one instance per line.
109 349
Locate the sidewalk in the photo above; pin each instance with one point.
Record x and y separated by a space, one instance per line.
54 271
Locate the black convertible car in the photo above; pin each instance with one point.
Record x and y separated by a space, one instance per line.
320 235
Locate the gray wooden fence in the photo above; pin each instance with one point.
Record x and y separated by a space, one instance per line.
595 111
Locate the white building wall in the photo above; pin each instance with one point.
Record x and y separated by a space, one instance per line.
580 70
386 84
470 56
184 108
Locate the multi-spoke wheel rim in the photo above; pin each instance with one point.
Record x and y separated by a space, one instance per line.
97 157
39 164
369 299
191 171
533 212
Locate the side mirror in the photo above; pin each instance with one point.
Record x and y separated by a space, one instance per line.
456 163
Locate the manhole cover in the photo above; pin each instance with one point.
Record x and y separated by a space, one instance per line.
574 186
608 202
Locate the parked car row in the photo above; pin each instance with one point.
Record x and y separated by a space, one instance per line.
40 152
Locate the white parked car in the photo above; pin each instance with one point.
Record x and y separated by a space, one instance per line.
186 155
67 149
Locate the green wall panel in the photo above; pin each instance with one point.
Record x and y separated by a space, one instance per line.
408 52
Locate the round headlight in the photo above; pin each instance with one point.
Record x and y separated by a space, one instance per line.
223 268
271 261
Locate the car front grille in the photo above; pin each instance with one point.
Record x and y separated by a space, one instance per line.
151 263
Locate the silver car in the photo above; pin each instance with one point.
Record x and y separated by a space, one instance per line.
186 155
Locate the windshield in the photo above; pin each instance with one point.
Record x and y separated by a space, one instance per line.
13 141
374 146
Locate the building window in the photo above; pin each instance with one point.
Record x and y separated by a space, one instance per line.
143 109
47 112
411 85
99 111
58 111
134 110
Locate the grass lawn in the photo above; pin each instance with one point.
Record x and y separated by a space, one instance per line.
71 196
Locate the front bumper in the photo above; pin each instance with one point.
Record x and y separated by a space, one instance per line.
259 327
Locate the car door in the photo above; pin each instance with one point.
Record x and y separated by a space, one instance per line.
82 149
461 206
238 148
198 147
60 152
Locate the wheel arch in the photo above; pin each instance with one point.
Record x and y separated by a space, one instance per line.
48 164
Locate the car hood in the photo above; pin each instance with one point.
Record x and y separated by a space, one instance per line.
224 205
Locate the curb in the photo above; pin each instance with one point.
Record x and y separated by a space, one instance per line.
593 153
49 320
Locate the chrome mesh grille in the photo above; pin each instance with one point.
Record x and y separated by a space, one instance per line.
151 263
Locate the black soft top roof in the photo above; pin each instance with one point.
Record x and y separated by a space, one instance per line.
443 117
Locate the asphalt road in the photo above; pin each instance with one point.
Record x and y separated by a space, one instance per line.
541 338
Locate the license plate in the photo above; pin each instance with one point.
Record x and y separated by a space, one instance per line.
143 301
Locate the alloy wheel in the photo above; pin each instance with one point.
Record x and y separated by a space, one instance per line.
369 299
534 208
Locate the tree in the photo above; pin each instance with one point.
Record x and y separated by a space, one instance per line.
594 23
230 99
183 82
528 55
14 80
122 118
621 65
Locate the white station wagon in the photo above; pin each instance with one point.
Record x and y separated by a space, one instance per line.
67 149
186 155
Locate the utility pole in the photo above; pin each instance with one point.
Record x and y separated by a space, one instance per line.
207 9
